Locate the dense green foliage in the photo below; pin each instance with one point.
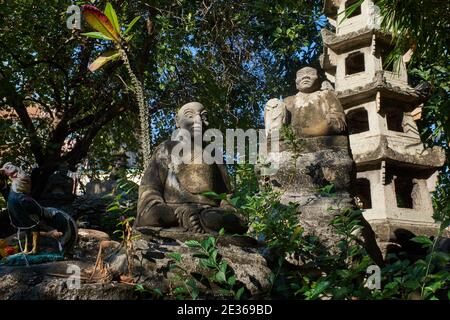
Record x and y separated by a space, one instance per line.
217 275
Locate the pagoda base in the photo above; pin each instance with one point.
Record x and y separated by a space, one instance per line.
395 235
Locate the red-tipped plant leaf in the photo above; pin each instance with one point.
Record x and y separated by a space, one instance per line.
103 59
100 22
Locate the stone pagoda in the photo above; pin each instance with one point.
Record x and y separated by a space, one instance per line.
395 172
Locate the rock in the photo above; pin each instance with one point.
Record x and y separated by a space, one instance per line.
49 281
300 183
151 264
90 234
89 243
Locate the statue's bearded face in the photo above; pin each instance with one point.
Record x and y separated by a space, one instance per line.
192 117
307 80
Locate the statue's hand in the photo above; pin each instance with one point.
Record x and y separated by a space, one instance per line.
158 215
336 122
164 209
189 218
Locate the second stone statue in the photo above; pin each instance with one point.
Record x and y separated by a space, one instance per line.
322 159
172 189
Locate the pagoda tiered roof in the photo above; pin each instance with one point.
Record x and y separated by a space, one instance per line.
387 88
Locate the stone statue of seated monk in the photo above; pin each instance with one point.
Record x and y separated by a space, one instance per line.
317 119
171 191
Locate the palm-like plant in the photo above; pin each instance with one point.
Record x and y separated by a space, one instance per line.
419 25
108 28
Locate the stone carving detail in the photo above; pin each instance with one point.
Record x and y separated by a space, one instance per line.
170 194
275 115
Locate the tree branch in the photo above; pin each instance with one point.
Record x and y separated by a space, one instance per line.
14 100
81 147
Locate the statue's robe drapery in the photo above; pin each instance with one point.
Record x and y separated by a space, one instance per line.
170 193
316 114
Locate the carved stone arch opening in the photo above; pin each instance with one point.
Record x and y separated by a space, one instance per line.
404 186
363 193
355 63
358 121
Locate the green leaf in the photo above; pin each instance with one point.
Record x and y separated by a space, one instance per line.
234 201
194 293
348 12
221 232
213 256
211 194
112 208
343 273
139 288
445 224
175 256
193 244
128 38
225 292
206 263
435 286
130 26
425 241
223 266
180 290
239 293
112 16
328 189
96 35
157 292
191 283
208 243
232 280
213 241
321 286
220 277
200 255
